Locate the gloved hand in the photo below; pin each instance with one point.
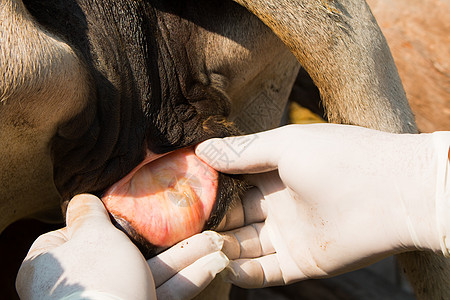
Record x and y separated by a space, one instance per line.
329 199
91 258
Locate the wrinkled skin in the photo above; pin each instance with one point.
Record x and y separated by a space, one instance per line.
90 86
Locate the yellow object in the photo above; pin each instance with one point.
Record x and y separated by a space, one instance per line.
301 115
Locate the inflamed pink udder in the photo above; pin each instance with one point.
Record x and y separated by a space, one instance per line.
166 198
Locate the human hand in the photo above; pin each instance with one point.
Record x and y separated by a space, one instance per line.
90 257
328 199
184 270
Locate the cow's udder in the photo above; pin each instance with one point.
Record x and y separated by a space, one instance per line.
166 198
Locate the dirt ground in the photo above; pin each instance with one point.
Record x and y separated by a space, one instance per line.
418 33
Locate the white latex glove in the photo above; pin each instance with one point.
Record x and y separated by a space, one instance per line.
91 258
184 270
342 198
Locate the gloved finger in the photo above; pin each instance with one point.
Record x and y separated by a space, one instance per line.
183 254
47 242
254 153
187 283
251 210
255 209
247 242
255 273
268 183
86 211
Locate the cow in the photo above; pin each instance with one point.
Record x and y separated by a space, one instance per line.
93 88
